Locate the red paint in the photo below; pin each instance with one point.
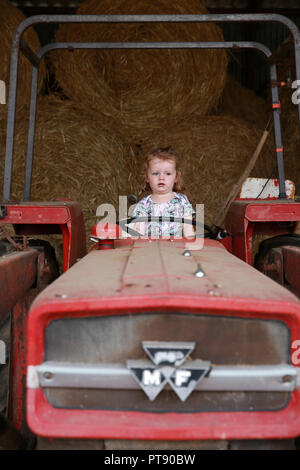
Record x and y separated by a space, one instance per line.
45 420
18 271
227 242
106 231
17 373
93 424
248 217
42 313
244 219
51 217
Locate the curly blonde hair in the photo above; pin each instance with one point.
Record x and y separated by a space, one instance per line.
163 153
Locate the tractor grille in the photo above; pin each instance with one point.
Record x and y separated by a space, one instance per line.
227 341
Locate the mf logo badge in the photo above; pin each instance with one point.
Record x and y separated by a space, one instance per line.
168 366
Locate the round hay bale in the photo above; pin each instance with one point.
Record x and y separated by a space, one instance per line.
10 19
143 89
77 156
214 152
242 103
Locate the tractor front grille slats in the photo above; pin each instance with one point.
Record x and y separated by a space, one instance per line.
231 342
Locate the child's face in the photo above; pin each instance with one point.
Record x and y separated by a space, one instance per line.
161 176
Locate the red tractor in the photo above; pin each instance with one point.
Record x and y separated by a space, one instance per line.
175 341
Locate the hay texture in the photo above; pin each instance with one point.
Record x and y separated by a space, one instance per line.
213 153
143 89
76 156
10 18
241 102
3 115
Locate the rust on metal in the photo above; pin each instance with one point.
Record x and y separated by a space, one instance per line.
16 245
17 377
273 266
18 272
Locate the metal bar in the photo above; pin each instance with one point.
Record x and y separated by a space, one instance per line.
156 45
11 117
281 378
31 133
278 133
210 18
28 53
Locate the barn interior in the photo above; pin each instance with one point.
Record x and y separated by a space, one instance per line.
99 112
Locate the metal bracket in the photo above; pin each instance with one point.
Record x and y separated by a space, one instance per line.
282 84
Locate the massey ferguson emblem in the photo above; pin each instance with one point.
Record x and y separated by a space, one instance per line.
168 366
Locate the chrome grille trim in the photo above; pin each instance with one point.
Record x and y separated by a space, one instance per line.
274 378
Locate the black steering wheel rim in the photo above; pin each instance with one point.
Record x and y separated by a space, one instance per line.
208 232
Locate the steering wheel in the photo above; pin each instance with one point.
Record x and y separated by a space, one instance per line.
207 232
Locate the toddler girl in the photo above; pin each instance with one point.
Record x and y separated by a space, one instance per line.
162 175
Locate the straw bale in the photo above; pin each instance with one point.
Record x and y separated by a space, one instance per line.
214 152
143 89
77 156
3 114
243 103
10 19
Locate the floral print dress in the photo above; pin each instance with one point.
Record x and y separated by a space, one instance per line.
179 206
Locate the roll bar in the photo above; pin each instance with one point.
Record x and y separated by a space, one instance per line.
19 44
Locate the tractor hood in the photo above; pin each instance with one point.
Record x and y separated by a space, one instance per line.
162 269
90 333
